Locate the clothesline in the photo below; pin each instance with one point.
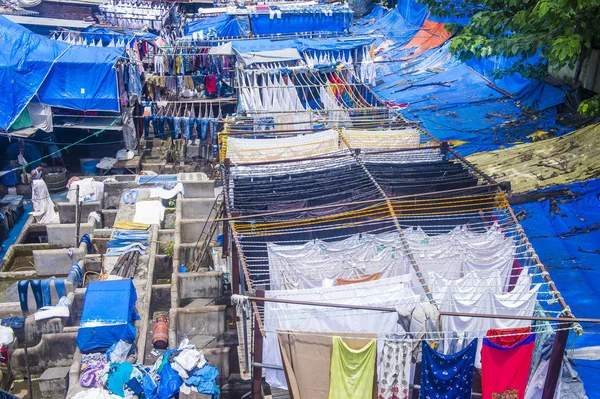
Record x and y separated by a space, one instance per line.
442 313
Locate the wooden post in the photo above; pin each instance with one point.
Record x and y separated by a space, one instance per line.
235 269
556 359
77 216
258 349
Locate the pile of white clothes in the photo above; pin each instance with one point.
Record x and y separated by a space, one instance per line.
280 316
89 190
414 156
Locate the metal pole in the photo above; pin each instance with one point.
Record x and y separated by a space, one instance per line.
556 359
77 216
258 349
29 387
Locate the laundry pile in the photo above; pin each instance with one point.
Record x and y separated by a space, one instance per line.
116 372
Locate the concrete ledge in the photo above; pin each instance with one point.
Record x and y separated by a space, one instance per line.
57 262
207 320
200 285
63 235
54 350
191 208
66 211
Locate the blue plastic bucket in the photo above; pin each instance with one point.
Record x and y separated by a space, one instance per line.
88 168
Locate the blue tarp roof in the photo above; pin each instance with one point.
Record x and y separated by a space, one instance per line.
326 44
69 76
225 25
565 233
309 20
108 314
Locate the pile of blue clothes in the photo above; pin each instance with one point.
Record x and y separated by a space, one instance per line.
124 241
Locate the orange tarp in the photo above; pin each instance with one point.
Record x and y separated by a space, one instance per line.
431 35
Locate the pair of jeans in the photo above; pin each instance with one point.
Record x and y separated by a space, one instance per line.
59 286
159 126
36 287
204 129
176 127
147 120
171 124
187 129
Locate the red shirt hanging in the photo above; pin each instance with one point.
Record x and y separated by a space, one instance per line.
505 363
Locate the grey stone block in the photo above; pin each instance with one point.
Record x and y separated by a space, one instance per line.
54 382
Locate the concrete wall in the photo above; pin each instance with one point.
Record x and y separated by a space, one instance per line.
195 207
57 262
196 188
63 235
54 350
206 320
200 285
66 211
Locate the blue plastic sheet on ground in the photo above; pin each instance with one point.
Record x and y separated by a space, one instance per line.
225 25
565 233
108 315
27 63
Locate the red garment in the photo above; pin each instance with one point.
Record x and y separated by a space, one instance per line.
505 363
211 84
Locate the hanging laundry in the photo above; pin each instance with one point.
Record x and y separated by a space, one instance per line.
506 362
352 371
393 368
447 376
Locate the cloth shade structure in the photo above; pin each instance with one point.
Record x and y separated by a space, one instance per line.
108 315
58 73
305 19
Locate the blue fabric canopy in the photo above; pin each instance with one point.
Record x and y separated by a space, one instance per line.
225 25
69 76
325 44
307 21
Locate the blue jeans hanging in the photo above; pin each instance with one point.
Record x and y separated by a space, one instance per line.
176 127
187 131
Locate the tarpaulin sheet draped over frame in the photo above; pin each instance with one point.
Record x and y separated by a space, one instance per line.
108 315
263 24
225 25
27 62
325 44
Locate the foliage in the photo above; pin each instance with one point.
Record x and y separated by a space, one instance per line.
590 107
560 31
170 248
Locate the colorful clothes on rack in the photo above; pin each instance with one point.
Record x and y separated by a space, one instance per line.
447 376
393 369
506 362
352 370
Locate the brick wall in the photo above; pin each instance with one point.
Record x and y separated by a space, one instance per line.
51 9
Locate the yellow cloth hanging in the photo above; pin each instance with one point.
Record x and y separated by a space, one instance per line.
177 65
352 370
131 226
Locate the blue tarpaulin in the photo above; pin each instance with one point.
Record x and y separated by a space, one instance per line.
108 315
29 62
225 25
308 20
324 44
565 233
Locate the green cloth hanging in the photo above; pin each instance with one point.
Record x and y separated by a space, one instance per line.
352 370
23 121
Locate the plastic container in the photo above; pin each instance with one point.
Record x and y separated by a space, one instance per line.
88 168
55 178
160 333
